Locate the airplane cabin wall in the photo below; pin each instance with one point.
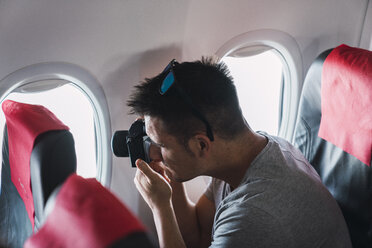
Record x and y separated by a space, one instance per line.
121 42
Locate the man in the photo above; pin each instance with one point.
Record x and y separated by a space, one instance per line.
263 192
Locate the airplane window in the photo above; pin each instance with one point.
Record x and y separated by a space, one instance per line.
259 81
74 109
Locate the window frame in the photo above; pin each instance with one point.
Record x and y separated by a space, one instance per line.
88 84
288 51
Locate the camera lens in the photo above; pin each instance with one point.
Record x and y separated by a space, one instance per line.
119 144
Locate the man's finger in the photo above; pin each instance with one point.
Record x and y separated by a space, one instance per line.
156 167
145 168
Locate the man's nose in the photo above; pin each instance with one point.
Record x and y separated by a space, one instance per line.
155 154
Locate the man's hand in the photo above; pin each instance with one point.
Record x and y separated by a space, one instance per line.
155 189
153 184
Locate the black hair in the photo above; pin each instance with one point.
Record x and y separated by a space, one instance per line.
210 88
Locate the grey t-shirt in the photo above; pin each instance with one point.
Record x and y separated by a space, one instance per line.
281 202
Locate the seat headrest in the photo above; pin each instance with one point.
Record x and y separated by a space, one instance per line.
85 205
346 100
24 123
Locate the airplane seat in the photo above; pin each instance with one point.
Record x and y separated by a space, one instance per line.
62 208
347 178
35 143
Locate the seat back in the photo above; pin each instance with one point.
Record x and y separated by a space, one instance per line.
347 178
38 155
52 160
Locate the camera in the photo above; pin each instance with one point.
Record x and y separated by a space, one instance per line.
133 143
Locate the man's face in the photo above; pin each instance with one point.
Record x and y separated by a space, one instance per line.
180 165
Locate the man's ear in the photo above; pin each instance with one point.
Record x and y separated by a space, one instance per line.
200 144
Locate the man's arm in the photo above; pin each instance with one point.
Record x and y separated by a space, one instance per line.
157 193
195 220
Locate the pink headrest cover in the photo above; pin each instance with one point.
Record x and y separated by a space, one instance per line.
347 101
85 214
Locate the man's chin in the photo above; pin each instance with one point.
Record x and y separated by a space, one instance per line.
173 177
178 179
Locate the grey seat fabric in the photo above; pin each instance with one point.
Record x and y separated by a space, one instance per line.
347 178
15 226
52 160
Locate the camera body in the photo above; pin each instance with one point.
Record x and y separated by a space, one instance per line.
133 143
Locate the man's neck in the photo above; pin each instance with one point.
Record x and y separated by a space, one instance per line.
237 156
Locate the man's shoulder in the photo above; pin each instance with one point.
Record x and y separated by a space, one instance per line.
281 188
281 159
280 145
